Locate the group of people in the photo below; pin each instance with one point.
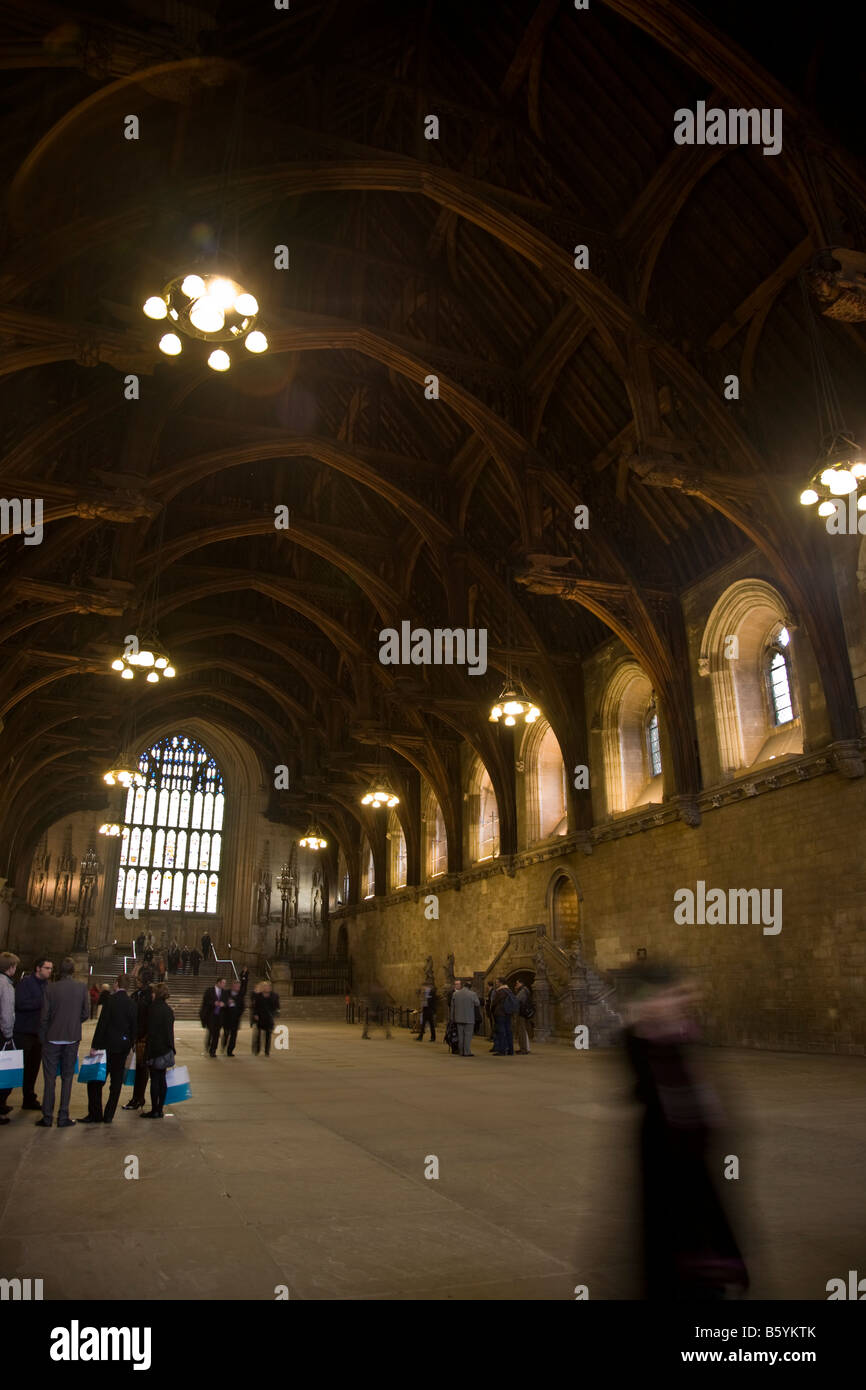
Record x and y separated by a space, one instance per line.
174 959
509 1011
222 1009
43 1020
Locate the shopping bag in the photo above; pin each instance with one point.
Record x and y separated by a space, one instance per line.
177 1085
129 1070
93 1068
11 1069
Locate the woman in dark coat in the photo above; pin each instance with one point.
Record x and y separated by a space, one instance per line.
264 1007
159 1044
689 1248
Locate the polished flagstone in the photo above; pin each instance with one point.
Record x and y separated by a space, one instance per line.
307 1169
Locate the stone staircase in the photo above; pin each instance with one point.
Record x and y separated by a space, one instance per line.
186 992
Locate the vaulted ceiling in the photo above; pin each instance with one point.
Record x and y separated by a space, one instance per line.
408 257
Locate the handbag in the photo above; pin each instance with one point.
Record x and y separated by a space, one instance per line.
177 1085
93 1068
129 1070
11 1068
163 1063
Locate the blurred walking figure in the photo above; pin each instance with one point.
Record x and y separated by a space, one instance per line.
376 1014
159 1050
429 1000
194 960
232 1016
142 998
206 944
212 1012
689 1248
504 1006
264 1007
184 960
115 1035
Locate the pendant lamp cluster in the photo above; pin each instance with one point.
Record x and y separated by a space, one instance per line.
314 838
151 659
840 468
212 309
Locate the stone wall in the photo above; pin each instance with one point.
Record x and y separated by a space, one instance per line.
802 989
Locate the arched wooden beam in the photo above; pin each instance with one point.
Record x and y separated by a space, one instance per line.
319 682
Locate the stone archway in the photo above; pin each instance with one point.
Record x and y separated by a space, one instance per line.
564 903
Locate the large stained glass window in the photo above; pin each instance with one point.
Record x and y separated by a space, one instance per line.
170 860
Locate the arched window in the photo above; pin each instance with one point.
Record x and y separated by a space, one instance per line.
397 855
544 774
435 838
484 815
653 747
631 739
747 654
779 678
160 862
342 880
368 874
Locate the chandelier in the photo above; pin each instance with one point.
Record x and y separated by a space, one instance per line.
124 774
514 703
113 828
151 657
841 467
841 470
313 838
214 309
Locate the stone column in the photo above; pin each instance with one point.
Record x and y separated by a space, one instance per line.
543 1030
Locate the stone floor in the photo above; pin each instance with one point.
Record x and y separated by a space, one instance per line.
307 1170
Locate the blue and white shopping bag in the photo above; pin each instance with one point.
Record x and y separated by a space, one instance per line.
129 1070
11 1069
93 1068
177 1085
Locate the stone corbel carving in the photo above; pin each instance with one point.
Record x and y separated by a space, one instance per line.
703 665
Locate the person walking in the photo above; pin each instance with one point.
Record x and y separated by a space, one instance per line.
232 1016
65 1007
525 1012
211 1013
115 1035
376 1012
184 960
159 1050
264 1007
142 999
29 994
139 944
429 1001
206 944
504 1007
689 1249
9 963
463 1005
194 960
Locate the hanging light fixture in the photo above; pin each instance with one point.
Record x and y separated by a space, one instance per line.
123 774
380 792
114 829
215 309
513 702
840 468
151 658
314 838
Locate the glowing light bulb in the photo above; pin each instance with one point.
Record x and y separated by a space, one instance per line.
155 308
256 342
510 720
117 664
170 344
859 470
842 482
219 361
145 657
808 497
861 503
153 677
513 707
495 714
827 475
826 509
247 304
169 672
222 292
160 662
127 675
193 286
207 316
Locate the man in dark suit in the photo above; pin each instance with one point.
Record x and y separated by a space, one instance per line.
232 1015
213 1007
115 1035
142 999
